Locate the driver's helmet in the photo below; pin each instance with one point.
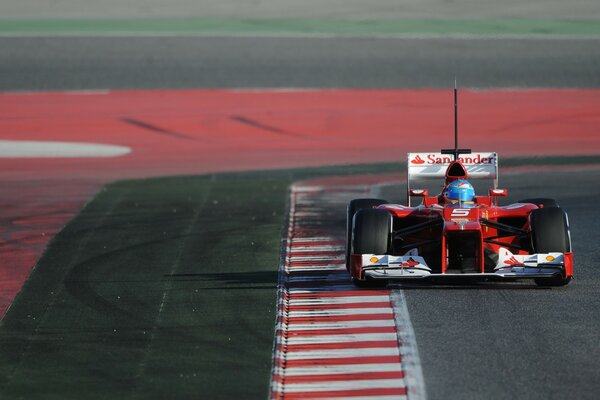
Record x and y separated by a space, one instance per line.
460 193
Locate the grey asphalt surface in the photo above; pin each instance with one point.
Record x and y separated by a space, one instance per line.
345 9
518 341
201 62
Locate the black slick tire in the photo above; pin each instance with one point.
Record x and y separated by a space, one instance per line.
371 233
353 207
550 233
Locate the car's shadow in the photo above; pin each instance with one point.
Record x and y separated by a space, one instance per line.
468 286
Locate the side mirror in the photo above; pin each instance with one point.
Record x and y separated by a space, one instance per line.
419 192
498 192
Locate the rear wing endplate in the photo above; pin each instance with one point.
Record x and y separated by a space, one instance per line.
423 166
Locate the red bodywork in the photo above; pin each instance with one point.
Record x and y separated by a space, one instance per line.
465 222
455 240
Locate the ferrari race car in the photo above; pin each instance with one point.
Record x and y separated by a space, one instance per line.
462 239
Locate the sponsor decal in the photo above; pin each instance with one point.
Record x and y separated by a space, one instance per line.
437 158
410 263
512 261
417 160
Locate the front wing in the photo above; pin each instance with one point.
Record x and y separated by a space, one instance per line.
509 267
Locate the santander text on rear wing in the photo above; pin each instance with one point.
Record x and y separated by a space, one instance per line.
481 165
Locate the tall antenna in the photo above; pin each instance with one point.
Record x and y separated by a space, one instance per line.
455 116
456 151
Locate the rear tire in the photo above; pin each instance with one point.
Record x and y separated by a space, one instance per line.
371 233
541 201
550 233
353 207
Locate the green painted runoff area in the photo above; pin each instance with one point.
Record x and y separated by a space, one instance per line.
382 27
159 289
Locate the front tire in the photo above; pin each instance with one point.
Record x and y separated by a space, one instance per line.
371 234
353 207
550 233
371 229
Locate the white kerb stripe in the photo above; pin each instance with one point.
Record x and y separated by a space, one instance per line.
332 259
340 300
333 268
323 288
340 369
317 278
314 239
399 397
338 312
360 337
344 385
342 353
294 326
303 249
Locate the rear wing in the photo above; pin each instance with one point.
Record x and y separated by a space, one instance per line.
423 166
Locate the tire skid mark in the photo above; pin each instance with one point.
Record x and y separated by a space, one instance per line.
259 125
156 129
332 340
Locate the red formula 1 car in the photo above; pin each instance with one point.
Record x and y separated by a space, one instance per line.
462 238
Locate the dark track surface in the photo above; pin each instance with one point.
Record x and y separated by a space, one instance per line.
518 341
200 62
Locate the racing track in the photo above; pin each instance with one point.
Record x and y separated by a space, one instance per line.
514 342
198 131
173 143
480 341
246 62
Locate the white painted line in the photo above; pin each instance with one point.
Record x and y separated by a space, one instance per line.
344 385
408 348
342 353
40 149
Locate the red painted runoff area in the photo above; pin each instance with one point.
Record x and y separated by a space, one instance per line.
172 132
